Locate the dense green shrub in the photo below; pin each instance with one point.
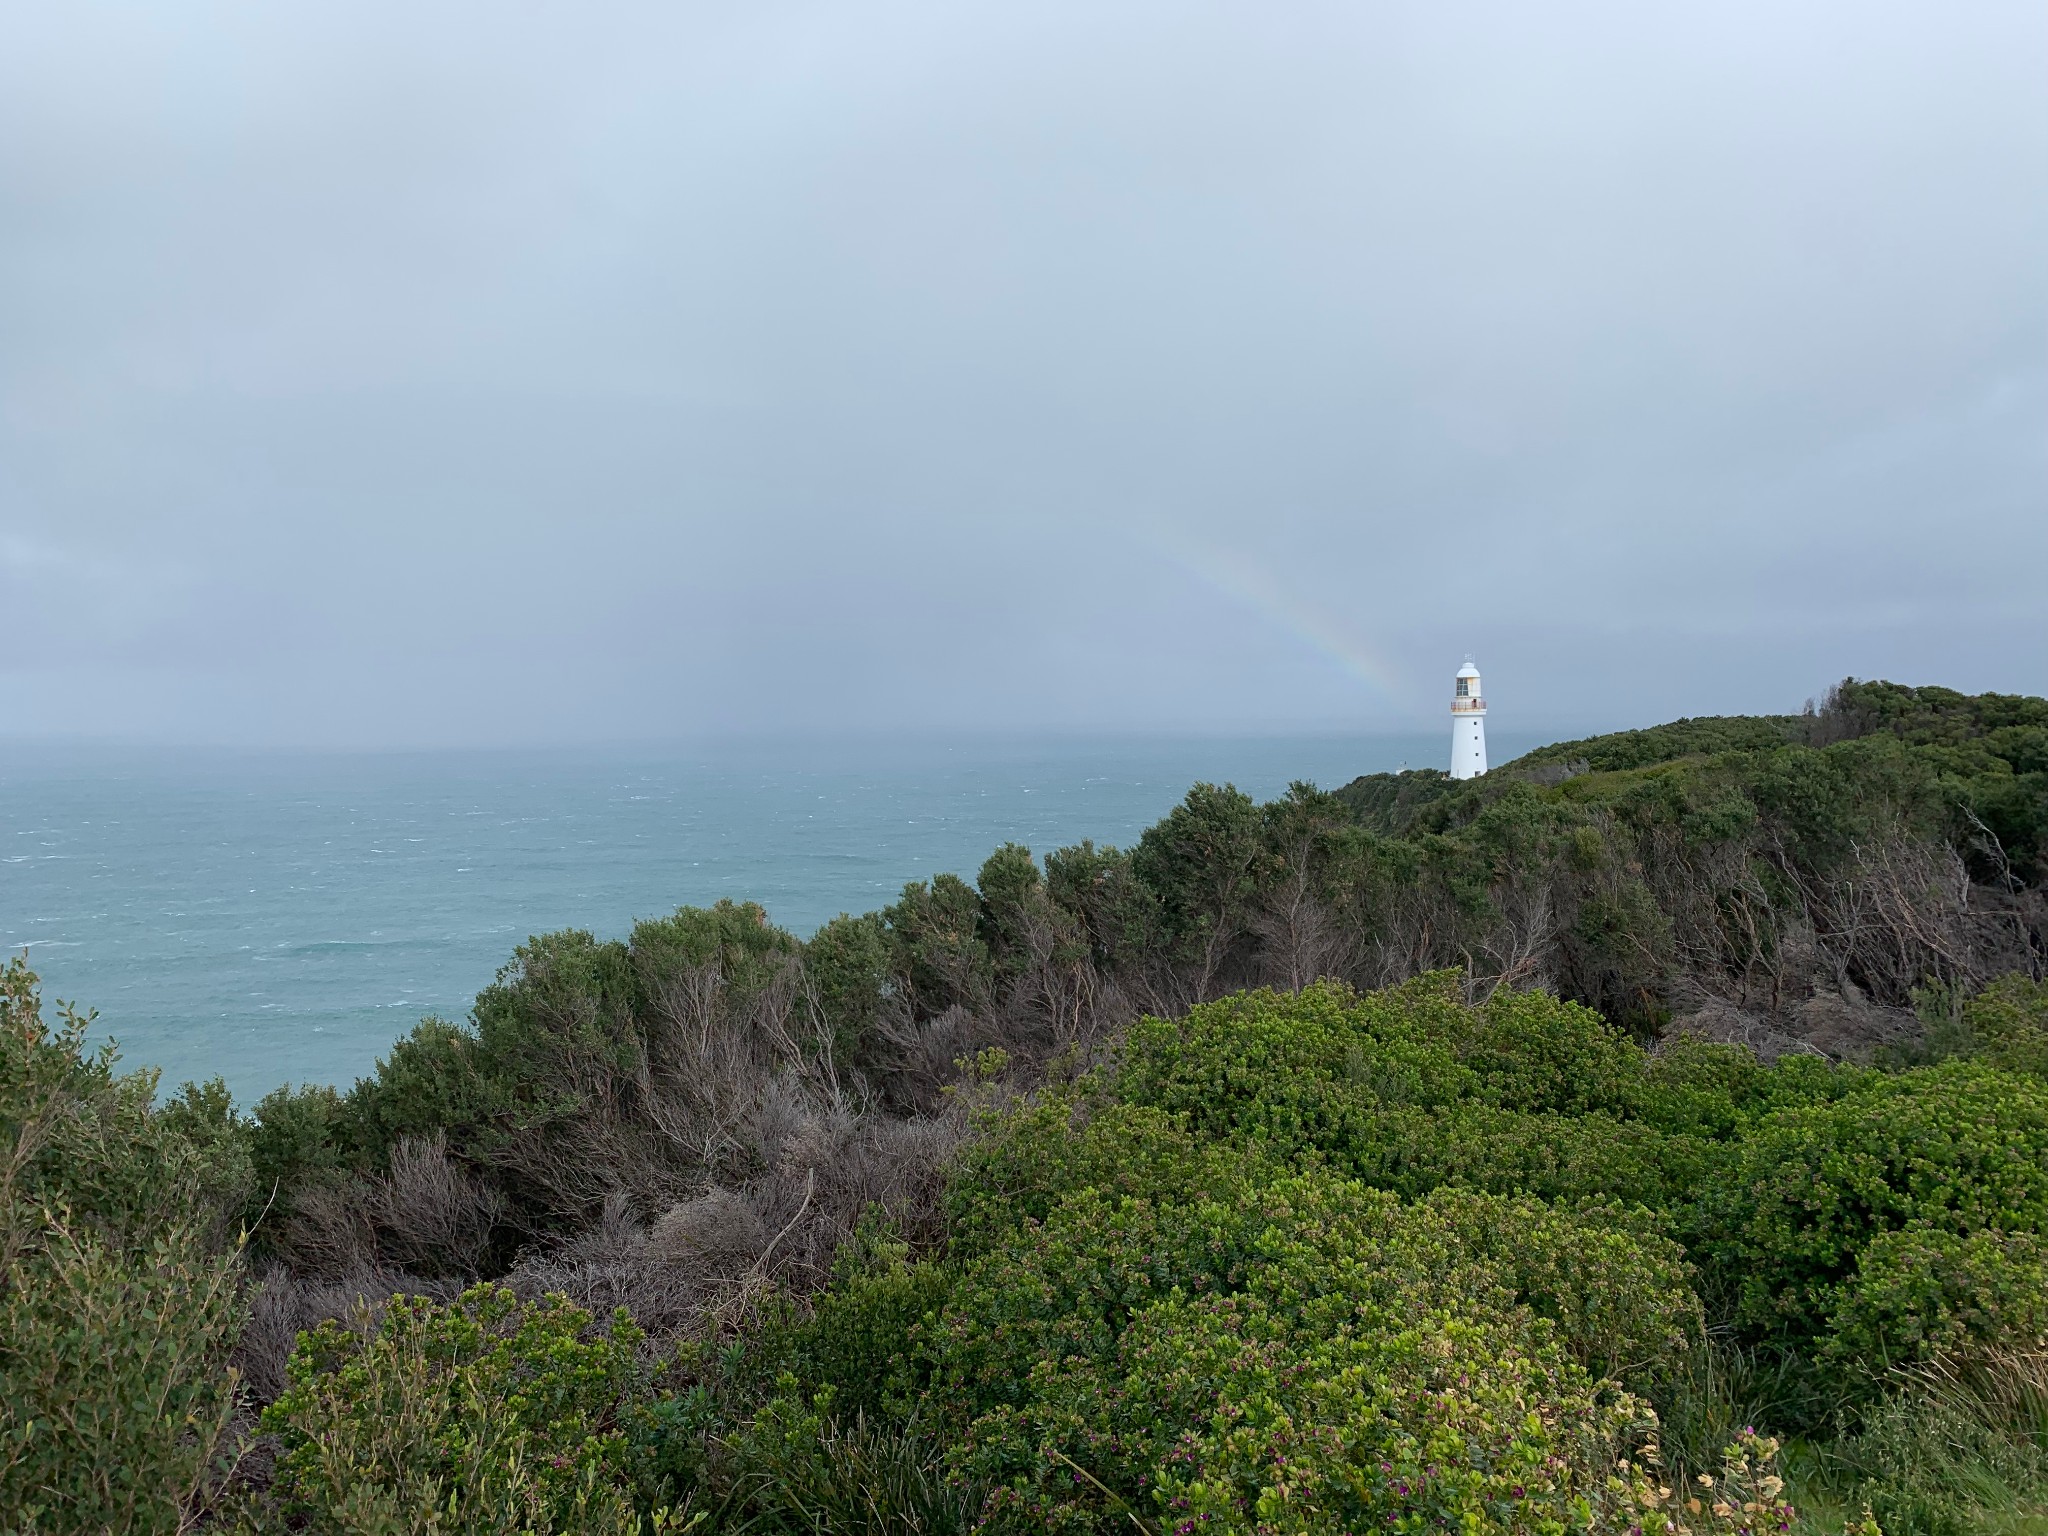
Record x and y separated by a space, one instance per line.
1028 1158
1302 1355
485 1415
2006 1025
1224 1413
1163 1298
1294 1261
118 1274
297 1145
1555 1156
940 958
732 938
1250 1064
1608 1278
1667 743
1921 1294
440 1080
1216 1278
1959 1149
847 965
1409 1089
1198 862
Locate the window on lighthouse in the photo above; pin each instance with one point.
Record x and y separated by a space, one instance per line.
1464 687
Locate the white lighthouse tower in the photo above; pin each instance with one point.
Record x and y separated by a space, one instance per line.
1468 725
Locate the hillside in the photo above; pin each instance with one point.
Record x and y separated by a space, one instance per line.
1419 1155
1791 881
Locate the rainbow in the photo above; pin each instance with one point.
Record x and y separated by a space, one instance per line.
1247 583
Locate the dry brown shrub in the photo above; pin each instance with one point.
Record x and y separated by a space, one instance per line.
613 1265
327 1233
704 1264
283 1303
720 1228
431 1213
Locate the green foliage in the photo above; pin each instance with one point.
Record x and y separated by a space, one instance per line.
847 964
1990 750
440 1079
1037 1152
1390 803
117 1283
113 1370
1410 1090
1704 737
1114 911
1305 1261
2006 1025
1165 1301
1231 1416
1922 1294
485 1415
1630 873
556 1026
222 1171
1200 863
802 1469
1537 1055
1931 716
1012 903
941 960
851 1337
1958 1447
747 950
297 1144
1612 1284
1309 1354
1634 837
1955 1150
1722 1388
555 1061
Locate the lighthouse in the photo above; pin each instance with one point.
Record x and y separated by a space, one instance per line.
1468 725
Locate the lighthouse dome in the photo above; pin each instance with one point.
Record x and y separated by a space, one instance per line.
1467 670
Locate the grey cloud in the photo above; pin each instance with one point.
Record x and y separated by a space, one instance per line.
398 375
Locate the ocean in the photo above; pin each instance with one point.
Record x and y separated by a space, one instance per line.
272 918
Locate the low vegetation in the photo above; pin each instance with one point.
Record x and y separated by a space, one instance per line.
1649 1136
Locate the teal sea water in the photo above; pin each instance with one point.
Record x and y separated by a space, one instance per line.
273 918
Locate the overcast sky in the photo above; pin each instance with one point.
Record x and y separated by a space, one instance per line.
412 374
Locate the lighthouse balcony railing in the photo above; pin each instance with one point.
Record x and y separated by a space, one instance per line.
1468 706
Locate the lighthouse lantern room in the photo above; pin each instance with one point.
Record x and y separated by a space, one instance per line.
1468 725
